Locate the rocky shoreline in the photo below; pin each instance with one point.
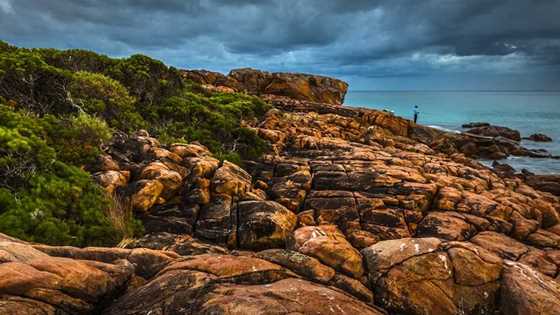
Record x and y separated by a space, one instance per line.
352 210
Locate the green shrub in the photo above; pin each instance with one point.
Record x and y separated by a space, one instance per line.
149 80
22 148
214 121
97 94
26 79
6 47
43 199
76 139
76 60
52 81
61 205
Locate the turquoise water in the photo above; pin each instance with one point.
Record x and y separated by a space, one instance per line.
528 112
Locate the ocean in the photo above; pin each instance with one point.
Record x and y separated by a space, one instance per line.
528 112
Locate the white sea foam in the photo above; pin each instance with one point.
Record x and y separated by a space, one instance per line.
444 129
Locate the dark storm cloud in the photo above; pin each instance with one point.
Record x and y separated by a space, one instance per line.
355 39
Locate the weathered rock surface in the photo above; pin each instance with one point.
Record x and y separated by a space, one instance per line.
503 169
527 292
225 284
211 78
301 264
264 224
328 244
200 294
425 276
294 85
184 245
66 280
548 183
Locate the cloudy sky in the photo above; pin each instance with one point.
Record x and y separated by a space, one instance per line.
374 45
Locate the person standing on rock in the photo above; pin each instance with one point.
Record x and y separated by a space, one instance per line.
416 113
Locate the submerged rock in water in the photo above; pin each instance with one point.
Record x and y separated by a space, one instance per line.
539 137
496 131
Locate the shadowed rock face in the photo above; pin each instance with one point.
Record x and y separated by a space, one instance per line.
351 211
294 85
496 131
549 183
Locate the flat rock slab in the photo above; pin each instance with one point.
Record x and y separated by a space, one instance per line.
34 280
528 292
427 276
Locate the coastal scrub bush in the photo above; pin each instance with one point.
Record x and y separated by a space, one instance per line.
6 47
43 199
95 93
21 148
76 139
46 80
215 121
76 59
149 80
61 205
33 84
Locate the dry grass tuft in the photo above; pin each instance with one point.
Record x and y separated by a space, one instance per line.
120 216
